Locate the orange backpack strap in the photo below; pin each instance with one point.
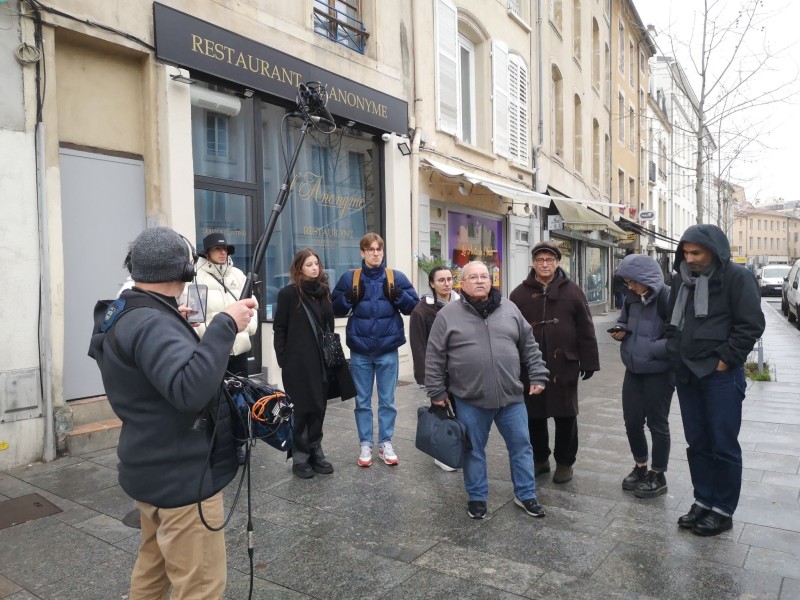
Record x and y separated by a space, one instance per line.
356 280
389 281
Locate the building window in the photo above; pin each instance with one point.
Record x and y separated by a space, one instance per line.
216 135
632 192
595 153
557 111
578 125
576 29
466 89
518 120
642 61
621 116
595 55
621 186
338 20
630 63
607 164
621 42
555 14
519 9
607 69
632 129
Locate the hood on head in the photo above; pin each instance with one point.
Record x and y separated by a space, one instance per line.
709 236
641 268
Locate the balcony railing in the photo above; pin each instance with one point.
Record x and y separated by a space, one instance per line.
338 26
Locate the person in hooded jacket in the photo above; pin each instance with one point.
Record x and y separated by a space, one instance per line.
225 282
440 280
715 320
297 347
375 330
649 383
557 310
176 446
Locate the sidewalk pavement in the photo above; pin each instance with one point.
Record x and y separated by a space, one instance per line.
403 532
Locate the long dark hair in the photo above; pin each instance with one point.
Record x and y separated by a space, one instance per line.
296 271
432 275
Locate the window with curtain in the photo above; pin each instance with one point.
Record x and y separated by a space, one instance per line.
557 111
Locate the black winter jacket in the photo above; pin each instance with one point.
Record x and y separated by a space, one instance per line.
735 320
158 381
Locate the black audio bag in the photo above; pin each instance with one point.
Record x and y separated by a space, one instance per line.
441 435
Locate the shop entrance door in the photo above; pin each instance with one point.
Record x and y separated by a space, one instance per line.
519 250
103 209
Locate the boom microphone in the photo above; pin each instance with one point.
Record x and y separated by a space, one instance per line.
311 100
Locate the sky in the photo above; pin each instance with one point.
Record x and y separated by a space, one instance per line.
770 168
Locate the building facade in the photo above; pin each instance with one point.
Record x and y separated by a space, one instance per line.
762 236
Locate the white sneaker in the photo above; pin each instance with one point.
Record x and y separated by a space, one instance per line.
387 454
365 458
443 466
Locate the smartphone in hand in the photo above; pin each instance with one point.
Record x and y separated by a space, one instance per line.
618 329
197 301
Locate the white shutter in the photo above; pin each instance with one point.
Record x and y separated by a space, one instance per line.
518 127
446 67
500 98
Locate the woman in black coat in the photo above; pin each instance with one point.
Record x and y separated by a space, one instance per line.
297 347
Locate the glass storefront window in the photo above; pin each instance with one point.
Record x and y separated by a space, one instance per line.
473 237
229 214
568 262
334 198
222 134
596 273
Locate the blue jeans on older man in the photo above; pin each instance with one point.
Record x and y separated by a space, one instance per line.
367 369
512 423
711 409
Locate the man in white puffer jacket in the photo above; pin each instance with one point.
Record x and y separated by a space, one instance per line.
225 282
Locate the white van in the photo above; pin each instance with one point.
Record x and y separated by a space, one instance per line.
770 279
790 296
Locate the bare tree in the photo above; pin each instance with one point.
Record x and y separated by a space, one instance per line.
731 57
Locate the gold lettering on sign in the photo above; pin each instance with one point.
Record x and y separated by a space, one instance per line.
308 186
360 102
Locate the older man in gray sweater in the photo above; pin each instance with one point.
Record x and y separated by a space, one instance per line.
474 352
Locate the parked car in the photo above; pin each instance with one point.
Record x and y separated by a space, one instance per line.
770 279
790 295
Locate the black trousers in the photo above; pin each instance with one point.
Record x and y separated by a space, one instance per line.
565 448
646 399
307 434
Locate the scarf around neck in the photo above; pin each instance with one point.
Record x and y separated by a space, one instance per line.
700 285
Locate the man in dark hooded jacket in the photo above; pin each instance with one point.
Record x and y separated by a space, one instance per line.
176 446
715 320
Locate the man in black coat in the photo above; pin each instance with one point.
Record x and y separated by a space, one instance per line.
716 319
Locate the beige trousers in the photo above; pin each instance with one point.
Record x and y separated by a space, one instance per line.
178 550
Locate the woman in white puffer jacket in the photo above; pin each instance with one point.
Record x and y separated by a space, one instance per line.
225 282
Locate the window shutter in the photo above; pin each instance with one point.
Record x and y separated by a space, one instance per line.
518 110
500 98
446 67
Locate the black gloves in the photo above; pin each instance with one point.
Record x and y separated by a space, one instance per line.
349 296
586 375
394 294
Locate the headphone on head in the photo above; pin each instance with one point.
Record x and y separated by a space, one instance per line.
188 271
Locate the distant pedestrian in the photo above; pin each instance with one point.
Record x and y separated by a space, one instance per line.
297 340
558 311
475 350
440 280
716 319
649 382
375 330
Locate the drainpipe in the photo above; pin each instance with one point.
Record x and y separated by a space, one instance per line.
540 103
416 20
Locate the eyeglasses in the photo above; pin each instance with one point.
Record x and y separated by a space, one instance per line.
542 261
444 280
374 250
474 278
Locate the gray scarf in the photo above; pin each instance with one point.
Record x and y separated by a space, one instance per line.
700 285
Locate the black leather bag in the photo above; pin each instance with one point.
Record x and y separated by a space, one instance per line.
441 435
332 352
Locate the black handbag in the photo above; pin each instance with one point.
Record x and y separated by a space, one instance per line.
329 342
441 435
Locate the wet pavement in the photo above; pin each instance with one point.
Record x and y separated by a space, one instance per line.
403 532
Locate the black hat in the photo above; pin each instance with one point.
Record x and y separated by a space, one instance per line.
158 255
213 240
546 247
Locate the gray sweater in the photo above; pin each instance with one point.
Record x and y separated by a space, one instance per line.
478 361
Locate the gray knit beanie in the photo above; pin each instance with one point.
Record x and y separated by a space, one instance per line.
159 255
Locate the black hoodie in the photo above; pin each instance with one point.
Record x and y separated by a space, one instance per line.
734 321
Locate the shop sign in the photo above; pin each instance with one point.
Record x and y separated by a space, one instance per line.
194 44
555 222
647 215
741 260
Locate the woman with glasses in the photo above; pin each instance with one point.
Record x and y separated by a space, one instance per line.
440 279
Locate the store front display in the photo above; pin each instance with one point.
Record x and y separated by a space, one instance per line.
472 237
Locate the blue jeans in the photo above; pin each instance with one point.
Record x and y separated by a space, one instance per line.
512 423
367 369
711 409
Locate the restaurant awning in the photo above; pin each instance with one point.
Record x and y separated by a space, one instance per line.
579 218
505 189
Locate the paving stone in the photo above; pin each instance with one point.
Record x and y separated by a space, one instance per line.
790 589
558 586
106 528
8 587
775 562
429 585
97 581
239 584
771 492
772 538
74 481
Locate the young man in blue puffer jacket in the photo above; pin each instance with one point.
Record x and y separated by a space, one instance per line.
375 331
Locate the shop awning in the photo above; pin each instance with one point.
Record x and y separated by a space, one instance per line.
507 190
635 227
579 218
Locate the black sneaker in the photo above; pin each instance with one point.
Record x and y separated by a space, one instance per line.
476 509
654 485
712 523
303 470
695 513
634 478
530 506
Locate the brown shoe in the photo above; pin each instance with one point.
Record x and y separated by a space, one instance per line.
540 468
563 474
